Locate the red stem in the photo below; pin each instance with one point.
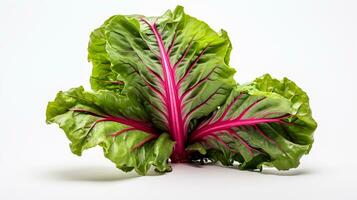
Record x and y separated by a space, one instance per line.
173 102
224 125
138 125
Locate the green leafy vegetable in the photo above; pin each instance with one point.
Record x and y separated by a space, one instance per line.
164 92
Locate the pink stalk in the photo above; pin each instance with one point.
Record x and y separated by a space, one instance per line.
173 102
224 125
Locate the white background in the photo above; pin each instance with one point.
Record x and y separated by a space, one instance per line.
43 50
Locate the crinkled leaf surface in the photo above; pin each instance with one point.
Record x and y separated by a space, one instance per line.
177 63
102 77
265 122
115 122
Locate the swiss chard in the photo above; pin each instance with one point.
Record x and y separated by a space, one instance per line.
164 92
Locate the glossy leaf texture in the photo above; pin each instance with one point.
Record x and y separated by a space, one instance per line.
265 122
176 63
117 123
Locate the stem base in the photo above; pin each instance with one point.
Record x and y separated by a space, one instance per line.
179 156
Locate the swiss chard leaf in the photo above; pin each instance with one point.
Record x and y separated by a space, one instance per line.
115 122
266 122
176 63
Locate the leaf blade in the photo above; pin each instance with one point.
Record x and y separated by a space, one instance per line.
262 124
131 143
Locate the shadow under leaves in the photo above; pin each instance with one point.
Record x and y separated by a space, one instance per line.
93 174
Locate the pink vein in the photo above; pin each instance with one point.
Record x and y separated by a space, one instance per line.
224 125
263 134
139 125
183 56
228 124
152 88
223 143
140 144
172 44
116 82
123 131
248 108
189 90
133 125
191 66
223 115
173 102
156 108
89 112
199 105
242 141
229 107
155 74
